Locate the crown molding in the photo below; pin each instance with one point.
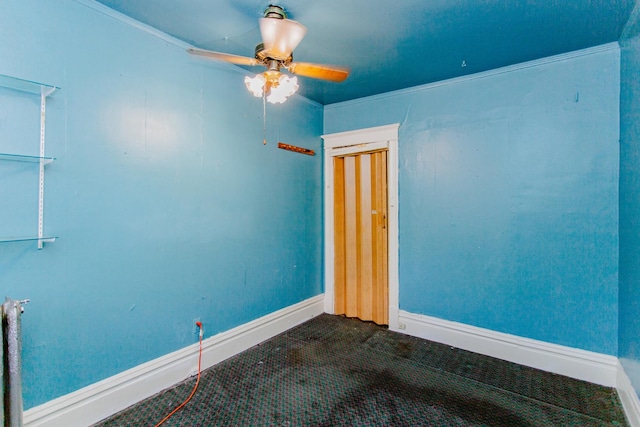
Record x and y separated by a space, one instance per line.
484 74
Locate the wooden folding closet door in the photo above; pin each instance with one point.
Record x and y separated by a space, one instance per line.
360 226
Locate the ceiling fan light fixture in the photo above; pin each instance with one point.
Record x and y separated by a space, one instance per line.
286 87
255 84
281 36
277 90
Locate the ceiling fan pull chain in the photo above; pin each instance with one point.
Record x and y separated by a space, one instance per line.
264 117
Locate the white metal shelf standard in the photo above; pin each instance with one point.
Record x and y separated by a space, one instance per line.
44 91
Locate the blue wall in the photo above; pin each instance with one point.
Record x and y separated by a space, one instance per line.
168 206
629 351
508 198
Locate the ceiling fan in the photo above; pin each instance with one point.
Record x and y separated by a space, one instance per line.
280 36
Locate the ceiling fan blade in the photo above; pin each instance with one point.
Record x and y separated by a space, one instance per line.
319 71
234 59
281 36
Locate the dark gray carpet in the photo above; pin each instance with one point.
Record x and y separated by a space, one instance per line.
333 371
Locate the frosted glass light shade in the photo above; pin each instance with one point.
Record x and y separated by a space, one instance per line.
281 36
255 85
287 86
276 93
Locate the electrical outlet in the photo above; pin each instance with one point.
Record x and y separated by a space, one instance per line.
196 329
402 326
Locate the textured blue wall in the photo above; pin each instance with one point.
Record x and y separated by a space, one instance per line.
168 206
508 188
630 200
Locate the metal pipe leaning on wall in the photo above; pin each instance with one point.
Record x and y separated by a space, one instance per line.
11 363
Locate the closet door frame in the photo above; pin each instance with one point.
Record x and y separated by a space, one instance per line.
352 142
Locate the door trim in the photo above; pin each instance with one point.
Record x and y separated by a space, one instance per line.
351 142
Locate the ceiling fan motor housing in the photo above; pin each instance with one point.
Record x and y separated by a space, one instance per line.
263 56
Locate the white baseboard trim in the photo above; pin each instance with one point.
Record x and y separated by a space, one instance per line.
575 363
102 399
628 397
